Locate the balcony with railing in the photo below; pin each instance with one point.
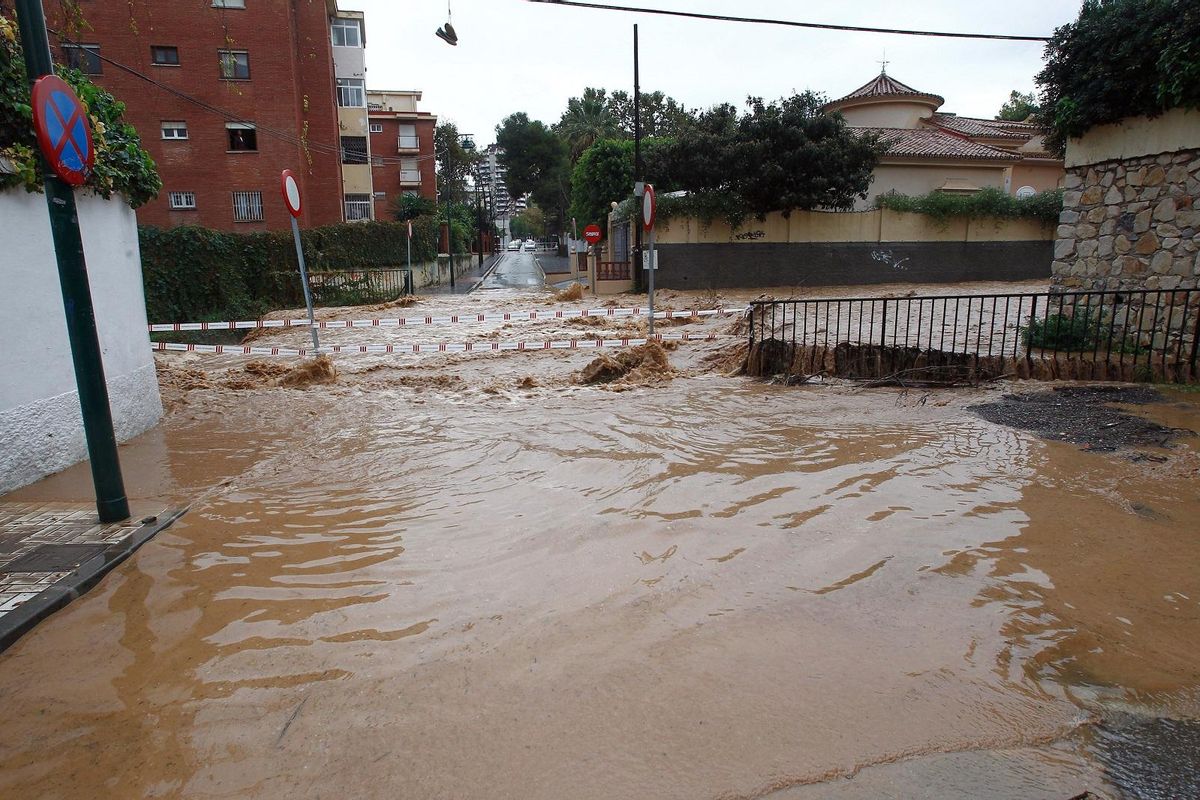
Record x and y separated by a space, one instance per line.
408 143
410 177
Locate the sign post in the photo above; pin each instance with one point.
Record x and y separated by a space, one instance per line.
291 199
65 140
649 209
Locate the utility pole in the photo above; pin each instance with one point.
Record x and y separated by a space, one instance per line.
111 502
638 177
450 206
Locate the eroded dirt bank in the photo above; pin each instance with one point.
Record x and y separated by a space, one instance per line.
477 576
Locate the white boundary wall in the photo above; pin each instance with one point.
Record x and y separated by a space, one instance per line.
41 427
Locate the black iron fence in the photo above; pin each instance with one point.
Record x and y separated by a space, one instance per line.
1093 335
358 287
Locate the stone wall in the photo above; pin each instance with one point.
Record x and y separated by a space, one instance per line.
1131 224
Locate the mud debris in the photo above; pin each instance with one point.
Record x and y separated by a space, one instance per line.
572 293
1084 416
316 371
641 365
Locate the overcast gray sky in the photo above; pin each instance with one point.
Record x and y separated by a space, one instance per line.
515 55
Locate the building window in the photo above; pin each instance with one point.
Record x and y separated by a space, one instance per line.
358 207
408 138
235 64
228 3
410 170
376 127
351 93
247 207
83 57
174 130
243 137
183 201
164 56
347 33
354 150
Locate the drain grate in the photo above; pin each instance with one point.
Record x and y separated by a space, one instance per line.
55 558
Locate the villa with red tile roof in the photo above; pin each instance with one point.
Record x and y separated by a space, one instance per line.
929 150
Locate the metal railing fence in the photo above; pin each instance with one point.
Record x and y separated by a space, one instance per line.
1110 334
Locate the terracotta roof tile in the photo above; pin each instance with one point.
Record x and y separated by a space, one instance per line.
990 128
935 143
886 86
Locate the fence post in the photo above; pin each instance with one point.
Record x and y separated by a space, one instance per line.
883 328
1195 337
1028 335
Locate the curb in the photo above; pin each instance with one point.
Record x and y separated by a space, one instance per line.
20 621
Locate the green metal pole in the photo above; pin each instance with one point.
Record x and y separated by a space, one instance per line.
111 503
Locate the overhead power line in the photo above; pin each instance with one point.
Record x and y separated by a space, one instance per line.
793 23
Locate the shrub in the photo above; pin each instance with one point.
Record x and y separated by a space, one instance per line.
989 202
191 273
1077 333
122 166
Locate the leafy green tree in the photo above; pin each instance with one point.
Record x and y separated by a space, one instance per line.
1120 58
604 174
537 162
1019 107
586 120
781 156
661 117
529 224
410 206
455 162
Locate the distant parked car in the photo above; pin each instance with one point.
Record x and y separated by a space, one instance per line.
514 246
530 245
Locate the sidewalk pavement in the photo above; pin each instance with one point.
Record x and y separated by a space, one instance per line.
51 553
465 283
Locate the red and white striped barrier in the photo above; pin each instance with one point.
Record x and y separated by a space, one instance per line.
437 347
403 322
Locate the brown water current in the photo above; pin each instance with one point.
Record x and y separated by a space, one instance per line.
708 589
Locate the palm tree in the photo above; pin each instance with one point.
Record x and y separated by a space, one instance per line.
586 120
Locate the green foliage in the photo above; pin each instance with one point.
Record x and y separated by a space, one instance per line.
1019 107
604 174
122 166
661 117
193 273
457 158
989 202
586 121
537 162
1077 333
529 224
410 206
1120 58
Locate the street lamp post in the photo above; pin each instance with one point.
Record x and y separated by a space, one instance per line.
468 144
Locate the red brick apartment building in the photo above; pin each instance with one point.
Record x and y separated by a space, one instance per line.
402 151
265 96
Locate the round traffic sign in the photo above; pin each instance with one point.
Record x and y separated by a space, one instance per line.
291 192
592 234
63 133
649 207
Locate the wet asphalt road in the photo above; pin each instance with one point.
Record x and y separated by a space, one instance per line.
515 271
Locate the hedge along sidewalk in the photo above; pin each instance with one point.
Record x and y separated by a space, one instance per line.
192 272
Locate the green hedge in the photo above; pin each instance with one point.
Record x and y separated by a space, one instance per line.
989 202
196 274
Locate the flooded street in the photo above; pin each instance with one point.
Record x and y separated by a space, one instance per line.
459 576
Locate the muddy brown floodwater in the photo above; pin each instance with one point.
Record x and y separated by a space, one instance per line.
441 580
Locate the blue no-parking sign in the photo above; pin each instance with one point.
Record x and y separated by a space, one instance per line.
61 123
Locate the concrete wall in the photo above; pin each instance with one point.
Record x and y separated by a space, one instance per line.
718 266
41 428
863 226
1178 129
919 179
900 114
